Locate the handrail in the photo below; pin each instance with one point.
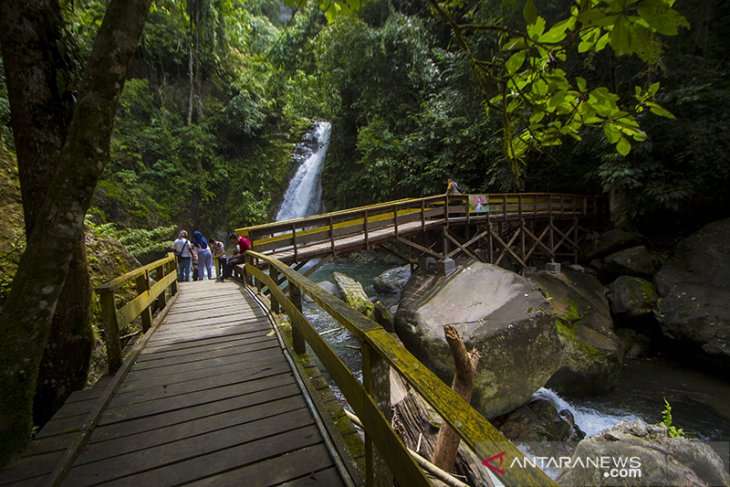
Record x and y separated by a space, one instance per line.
377 344
446 209
116 318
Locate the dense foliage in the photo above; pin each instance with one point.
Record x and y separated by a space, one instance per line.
501 95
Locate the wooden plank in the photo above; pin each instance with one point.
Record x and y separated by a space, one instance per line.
189 429
186 345
110 431
158 406
186 348
182 450
304 462
24 468
167 380
171 338
205 384
202 356
327 477
223 312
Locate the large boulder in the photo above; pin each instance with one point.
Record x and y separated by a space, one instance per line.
608 242
694 293
635 261
592 353
393 280
635 453
632 297
539 421
495 311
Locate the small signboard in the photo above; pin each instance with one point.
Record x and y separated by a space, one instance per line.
478 203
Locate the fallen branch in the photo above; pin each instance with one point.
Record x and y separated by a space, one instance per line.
447 440
444 477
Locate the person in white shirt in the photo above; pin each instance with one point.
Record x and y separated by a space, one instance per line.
184 254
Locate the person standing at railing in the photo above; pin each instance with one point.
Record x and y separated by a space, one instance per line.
242 245
184 254
205 256
218 250
452 187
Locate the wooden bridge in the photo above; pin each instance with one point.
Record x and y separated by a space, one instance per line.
212 390
520 229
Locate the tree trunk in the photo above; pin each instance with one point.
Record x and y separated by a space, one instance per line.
41 75
191 78
447 441
28 310
67 354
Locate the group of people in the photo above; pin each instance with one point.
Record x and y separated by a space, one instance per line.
195 256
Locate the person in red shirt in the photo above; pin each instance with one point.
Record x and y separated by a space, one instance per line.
242 245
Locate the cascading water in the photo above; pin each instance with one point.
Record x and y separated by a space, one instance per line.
303 197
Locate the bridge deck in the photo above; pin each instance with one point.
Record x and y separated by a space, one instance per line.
211 400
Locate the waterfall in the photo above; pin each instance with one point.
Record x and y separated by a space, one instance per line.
303 197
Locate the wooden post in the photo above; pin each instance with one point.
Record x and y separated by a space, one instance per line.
172 267
295 296
159 275
376 380
143 285
111 329
274 275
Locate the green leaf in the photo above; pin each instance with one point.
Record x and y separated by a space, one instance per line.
515 61
623 146
581 84
557 32
661 17
612 133
620 38
530 12
535 30
661 111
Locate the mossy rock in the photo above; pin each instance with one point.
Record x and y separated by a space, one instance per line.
592 353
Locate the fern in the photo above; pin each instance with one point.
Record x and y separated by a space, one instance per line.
673 431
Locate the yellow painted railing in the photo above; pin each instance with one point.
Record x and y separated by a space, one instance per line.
441 209
145 293
381 348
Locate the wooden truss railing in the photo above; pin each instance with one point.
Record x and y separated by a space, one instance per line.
381 351
296 241
139 293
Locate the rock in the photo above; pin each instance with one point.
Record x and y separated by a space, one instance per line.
694 293
392 281
641 454
631 297
328 286
497 312
592 354
538 421
608 242
634 344
354 294
636 261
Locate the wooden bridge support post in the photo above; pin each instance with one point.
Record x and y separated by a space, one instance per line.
172 268
143 285
298 342
111 330
274 275
159 275
376 380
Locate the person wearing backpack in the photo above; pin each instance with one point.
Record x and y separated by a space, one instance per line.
184 254
205 256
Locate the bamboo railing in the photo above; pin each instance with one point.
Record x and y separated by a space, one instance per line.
117 318
381 351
